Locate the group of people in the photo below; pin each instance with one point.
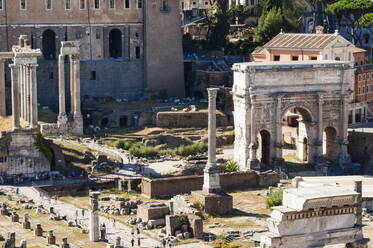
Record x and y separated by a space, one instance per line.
137 232
164 242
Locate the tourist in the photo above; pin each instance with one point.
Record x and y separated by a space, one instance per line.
138 241
83 212
132 231
114 223
132 242
163 243
138 231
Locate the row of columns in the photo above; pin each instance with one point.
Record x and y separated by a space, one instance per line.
74 88
24 94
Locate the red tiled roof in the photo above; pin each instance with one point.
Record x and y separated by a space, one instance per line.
302 41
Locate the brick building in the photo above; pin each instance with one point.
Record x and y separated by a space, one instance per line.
363 94
129 48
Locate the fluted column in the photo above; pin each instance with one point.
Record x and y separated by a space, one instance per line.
253 161
27 93
77 105
344 138
61 90
2 89
15 95
211 182
21 90
72 84
278 142
34 96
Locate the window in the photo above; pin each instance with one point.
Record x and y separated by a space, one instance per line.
337 58
67 4
1 4
206 3
294 58
48 4
137 52
126 4
252 2
276 58
112 4
23 4
359 90
82 4
164 5
98 34
93 75
97 4
79 35
313 58
139 4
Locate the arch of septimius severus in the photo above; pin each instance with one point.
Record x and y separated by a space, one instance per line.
265 94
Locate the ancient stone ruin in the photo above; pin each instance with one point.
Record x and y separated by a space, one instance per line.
72 122
94 225
316 217
18 152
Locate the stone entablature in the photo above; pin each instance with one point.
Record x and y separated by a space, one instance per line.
263 92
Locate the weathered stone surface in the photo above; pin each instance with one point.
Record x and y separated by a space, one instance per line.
152 211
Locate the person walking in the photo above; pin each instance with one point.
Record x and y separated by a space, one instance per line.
138 231
138 241
132 242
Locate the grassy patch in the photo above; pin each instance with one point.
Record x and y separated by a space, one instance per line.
274 199
230 166
193 149
42 146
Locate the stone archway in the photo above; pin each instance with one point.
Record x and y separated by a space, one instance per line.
264 92
330 143
115 43
264 147
49 44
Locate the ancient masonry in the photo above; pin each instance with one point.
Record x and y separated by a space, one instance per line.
316 90
317 217
94 227
72 123
18 152
214 199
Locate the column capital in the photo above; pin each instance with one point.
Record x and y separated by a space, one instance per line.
212 92
14 66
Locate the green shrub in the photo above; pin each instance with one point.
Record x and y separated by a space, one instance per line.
274 199
193 149
230 166
123 144
139 150
42 146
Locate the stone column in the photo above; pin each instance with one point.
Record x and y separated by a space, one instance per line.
77 107
344 131
211 182
94 230
358 189
34 96
21 90
62 118
320 127
27 93
253 161
278 143
72 85
2 89
15 95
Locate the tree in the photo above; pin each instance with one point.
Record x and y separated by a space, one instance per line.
270 24
357 14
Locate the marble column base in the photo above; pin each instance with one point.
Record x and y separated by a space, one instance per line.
77 128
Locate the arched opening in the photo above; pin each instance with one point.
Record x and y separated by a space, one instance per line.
104 122
329 143
296 135
49 44
123 121
264 147
115 43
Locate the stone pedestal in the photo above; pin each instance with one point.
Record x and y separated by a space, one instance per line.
15 217
51 238
64 243
38 230
214 203
94 229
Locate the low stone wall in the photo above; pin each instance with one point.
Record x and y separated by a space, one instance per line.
188 119
360 147
164 187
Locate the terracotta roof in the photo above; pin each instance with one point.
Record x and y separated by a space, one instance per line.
258 51
303 41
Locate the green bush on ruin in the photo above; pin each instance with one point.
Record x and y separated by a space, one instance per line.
230 166
139 150
123 144
191 150
274 199
42 146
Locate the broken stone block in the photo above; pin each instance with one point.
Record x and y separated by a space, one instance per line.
152 210
64 243
157 222
15 217
23 244
38 230
51 238
186 235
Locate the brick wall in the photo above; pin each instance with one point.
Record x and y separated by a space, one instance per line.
154 188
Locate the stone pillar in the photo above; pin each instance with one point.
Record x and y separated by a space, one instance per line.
211 182
253 161
64 243
72 85
278 143
33 96
26 222
15 95
62 118
358 189
344 130
21 90
23 244
27 95
2 89
38 230
94 227
78 118
320 129
51 238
